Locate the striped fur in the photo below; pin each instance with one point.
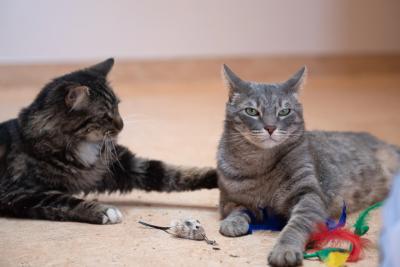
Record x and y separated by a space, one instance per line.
303 175
64 144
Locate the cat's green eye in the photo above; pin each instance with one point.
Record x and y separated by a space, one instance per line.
284 112
251 111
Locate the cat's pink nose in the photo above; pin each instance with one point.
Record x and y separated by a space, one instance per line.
270 129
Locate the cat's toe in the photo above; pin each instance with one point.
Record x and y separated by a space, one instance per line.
236 226
285 256
112 216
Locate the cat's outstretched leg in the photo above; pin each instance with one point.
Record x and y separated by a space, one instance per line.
128 172
57 206
288 250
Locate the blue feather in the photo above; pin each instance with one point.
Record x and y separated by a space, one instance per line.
270 221
275 222
332 225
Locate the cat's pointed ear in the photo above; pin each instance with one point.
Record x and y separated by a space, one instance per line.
77 97
296 82
104 67
232 81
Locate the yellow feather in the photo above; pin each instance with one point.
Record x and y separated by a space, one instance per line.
336 259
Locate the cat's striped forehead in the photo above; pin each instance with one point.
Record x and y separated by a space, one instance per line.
105 94
266 95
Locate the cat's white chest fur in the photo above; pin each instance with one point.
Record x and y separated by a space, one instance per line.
88 152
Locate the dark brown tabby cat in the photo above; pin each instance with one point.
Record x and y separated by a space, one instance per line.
266 159
64 143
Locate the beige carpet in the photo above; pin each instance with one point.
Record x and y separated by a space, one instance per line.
174 111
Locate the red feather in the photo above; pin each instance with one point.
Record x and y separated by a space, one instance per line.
323 236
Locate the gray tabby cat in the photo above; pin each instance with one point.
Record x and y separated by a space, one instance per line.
266 158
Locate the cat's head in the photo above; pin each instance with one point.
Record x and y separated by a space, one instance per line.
266 114
80 105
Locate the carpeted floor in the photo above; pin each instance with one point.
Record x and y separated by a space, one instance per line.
174 111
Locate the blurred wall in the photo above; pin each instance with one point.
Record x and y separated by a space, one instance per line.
72 30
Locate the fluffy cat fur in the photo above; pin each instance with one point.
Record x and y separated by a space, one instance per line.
266 158
64 143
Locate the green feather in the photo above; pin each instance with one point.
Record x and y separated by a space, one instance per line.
361 225
323 253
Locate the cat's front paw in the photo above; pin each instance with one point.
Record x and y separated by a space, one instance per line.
234 226
111 215
285 256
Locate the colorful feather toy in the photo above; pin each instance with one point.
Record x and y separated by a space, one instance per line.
334 234
340 237
331 243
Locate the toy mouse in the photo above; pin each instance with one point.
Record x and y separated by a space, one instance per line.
185 228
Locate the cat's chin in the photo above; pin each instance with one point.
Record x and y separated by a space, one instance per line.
267 144
263 144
